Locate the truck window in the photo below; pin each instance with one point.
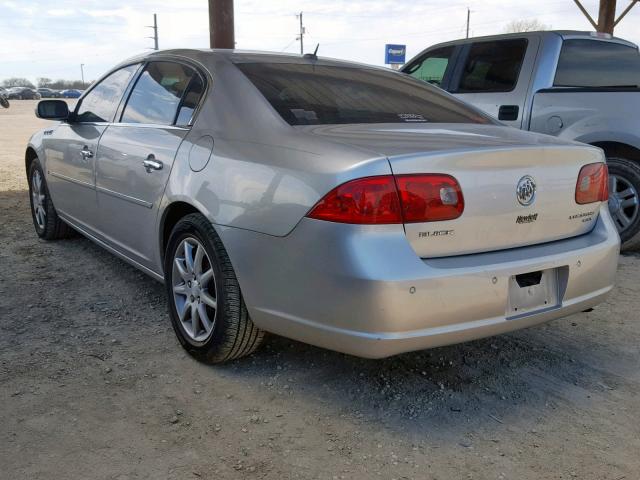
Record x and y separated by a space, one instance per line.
493 66
432 67
594 63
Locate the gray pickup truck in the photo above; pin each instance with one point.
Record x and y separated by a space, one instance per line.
581 86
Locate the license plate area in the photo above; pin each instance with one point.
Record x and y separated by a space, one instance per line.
533 292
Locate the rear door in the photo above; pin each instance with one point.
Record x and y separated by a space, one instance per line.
71 148
494 75
136 156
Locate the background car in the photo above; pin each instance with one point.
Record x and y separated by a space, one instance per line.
48 93
22 93
70 93
581 86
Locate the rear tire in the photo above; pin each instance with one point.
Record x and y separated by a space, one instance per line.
206 306
624 186
48 225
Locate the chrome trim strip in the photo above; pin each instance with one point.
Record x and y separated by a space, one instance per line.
72 180
122 196
112 250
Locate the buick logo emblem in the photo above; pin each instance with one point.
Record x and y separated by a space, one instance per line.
526 190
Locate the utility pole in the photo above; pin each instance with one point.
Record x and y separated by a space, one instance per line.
82 73
607 20
155 31
302 32
221 28
468 20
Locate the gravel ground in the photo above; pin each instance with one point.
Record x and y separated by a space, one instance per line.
93 383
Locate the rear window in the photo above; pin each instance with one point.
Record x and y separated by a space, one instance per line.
493 66
594 63
305 94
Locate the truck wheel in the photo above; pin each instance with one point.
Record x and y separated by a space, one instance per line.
206 307
624 201
48 224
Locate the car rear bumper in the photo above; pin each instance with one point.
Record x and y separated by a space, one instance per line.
362 290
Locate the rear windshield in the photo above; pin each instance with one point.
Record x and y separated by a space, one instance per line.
594 63
305 94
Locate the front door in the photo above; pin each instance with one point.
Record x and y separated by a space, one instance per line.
71 149
136 156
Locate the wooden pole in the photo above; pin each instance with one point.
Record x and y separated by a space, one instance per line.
607 16
221 28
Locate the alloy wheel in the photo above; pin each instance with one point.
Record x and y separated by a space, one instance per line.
39 199
623 202
194 289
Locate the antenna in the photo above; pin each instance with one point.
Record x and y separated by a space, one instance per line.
314 55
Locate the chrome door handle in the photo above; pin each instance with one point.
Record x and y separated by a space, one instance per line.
86 153
152 164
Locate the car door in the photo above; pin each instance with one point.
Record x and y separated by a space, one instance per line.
71 148
136 156
489 76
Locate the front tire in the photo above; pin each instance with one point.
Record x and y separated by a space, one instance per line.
624 200
206 306
46 221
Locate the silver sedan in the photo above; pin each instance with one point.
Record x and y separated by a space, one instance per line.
338 204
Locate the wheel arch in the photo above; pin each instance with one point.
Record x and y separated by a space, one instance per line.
29 156
170 216
619 149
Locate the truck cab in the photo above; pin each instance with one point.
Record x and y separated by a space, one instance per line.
581 86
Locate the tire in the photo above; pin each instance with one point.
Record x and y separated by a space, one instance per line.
625 177
46 221
219 334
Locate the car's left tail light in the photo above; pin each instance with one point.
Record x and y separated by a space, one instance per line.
593 184
387 199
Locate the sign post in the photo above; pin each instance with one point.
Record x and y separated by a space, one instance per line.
394 55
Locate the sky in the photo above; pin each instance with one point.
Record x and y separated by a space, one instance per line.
52 38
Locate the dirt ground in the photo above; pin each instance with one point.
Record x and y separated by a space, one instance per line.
94 385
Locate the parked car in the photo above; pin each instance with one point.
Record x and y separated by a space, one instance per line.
70 93
342 205
4 98
22 93
49 93
575 85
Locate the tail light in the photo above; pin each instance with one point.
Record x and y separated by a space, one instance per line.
387 199
593 184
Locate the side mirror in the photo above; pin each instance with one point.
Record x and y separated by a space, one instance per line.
52 110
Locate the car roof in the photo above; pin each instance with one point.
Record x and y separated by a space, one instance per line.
245 56
564 34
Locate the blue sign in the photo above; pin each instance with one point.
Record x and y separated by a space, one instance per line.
394 54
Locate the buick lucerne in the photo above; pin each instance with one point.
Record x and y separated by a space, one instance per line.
339 204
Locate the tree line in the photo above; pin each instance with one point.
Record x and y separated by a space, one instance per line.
44 82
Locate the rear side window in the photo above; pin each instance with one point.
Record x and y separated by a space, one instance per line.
158 93
307 94
190 100
493 66
100 104
594 63
432 67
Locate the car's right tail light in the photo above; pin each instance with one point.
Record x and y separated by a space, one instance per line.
387 199
593 184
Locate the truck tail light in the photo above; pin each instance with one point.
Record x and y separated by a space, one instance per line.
593 184
387 200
